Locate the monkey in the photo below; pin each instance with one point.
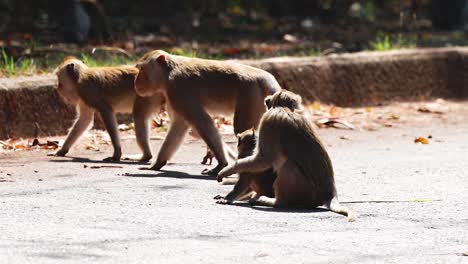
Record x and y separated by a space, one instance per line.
288 144
106 90
250 184
197 88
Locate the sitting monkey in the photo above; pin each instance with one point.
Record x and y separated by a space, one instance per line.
250 184
288 144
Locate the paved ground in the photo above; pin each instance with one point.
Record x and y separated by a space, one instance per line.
410 199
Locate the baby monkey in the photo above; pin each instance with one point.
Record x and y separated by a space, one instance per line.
288 144
107 90
250 184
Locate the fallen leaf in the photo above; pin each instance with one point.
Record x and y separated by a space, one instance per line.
231 51
368 109
91 147
421 140
290 38
333 122
333 111
394 117
124 127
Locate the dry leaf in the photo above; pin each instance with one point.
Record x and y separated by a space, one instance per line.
394 117
315 106
290 38
333 111
421 140
368 109
231 51
124 127
91 147
333 122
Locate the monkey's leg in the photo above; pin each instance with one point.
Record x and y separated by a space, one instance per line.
207 130
255 163
241 188
84 121
263 201
142 111
110 122
249 111
174 138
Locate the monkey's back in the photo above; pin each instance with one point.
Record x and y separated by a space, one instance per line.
113 85
300 145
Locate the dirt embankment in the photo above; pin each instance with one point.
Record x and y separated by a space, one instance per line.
29 106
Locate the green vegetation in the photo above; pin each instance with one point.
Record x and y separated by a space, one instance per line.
9 67
385 42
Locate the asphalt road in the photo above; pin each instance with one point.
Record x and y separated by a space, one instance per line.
410 199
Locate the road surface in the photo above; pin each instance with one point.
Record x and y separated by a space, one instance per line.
411 201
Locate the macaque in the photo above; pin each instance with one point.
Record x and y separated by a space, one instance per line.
288 144
107 90
197 88
250 184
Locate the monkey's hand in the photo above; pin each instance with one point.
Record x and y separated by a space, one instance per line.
156 166
218 197
223 201
226 171
214 171
59 153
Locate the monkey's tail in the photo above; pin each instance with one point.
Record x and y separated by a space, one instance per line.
335 206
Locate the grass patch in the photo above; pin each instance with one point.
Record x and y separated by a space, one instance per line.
385 42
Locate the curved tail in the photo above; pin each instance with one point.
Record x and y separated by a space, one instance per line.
335 206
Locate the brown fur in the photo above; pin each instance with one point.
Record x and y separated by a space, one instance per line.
107 90
288 144
197 88
250 184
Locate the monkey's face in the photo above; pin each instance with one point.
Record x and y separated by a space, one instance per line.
246 142
152 76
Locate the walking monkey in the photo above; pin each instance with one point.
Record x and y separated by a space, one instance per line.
195 88
107 90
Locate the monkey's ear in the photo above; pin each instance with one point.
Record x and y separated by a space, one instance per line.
71 71
268 101
162 59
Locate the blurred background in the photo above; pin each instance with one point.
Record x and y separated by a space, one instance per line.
35 35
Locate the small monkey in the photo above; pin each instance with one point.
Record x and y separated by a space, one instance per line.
288 144
250 184
197 88
107 90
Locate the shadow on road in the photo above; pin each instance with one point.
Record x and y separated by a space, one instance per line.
87 160
171 174
279 210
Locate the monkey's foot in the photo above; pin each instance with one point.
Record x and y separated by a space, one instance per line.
137 157
59 153
209 156
112 159
156 166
